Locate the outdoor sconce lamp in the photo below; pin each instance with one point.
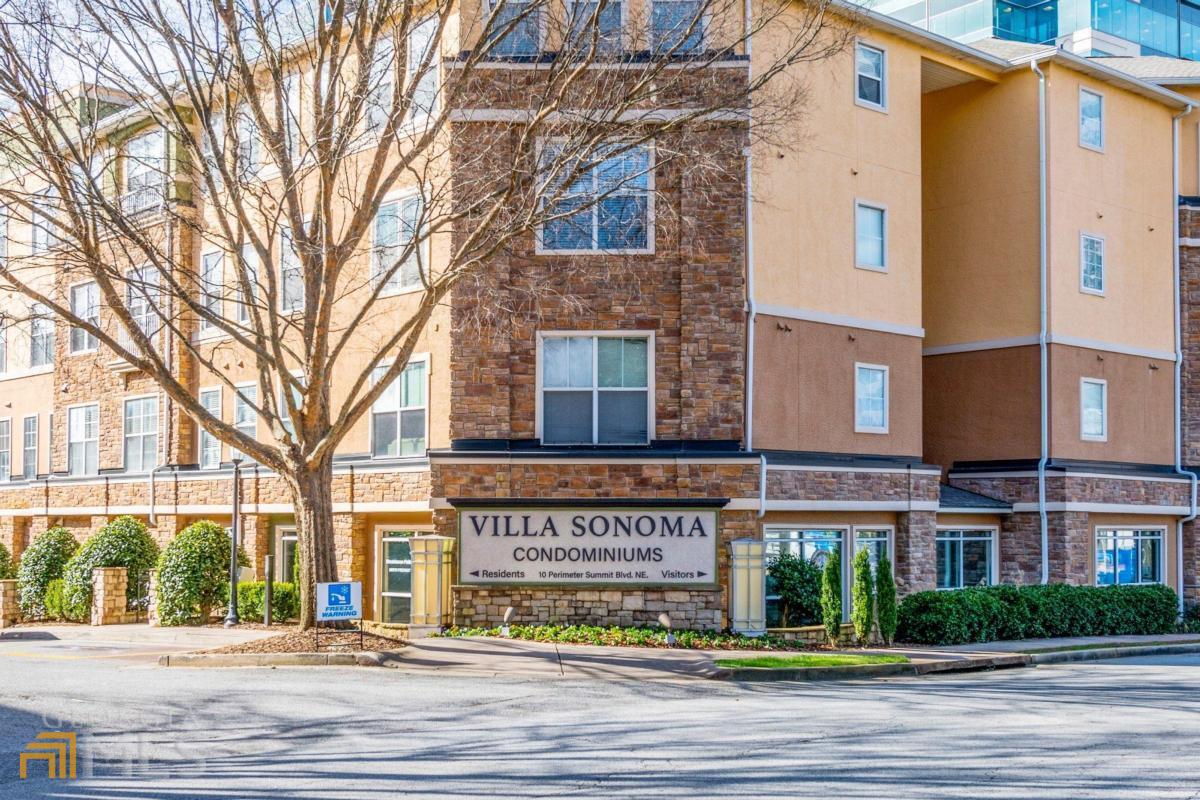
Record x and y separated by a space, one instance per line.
509 613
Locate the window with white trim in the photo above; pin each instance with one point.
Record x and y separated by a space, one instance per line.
141 300
208 152
285 418
291 114
395 229
613 195
85 304
870 398
3 233
595 389
516 29
249 263
588 20
677 26
870 236
245 418
291 278
1091 119
247 150
141 434
3 345
1091 263
1129 556
29 447
212 268
423 86
870 76
145 171
5 450
395 584
44 232
210 446
964 558
398 416
83 440
877 543
813 545
41 337
1093 409
382 85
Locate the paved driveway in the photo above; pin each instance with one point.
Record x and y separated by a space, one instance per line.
1117 729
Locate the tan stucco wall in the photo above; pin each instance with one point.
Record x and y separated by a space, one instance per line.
805 189
804 387
1122 194
1140 406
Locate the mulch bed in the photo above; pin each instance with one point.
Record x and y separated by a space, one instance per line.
293 640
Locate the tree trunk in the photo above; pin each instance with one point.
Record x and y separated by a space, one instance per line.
312 497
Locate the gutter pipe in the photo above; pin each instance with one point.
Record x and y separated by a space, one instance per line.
751 305
1044 356
1179 470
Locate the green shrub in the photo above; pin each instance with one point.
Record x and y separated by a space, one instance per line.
831 595
123 542
885 600
990 613
798 584
1191 619
54 601
193 574
285 601
42 562
862 593
614 636
8 568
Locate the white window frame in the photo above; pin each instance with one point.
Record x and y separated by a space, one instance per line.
846 533
618 45
211 294
1079 120
416 358
38 317
286 243
651 219
253 268
421 252
539 45
44 233
1103 384
133 198
37 435
85 441
380 531
6 469
651 422
1112 531
238 396
281 534
157 432
1083 287
881 106
882 209
887 398
993 554
202 434
91 342
145 276
704 31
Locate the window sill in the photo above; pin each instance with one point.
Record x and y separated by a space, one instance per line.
867 104
541 251
872 268
1099 439
91 351
402 291
876 431
1092 292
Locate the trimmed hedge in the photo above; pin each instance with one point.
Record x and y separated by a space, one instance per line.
995 613
193 574
123 542
285 601
42 562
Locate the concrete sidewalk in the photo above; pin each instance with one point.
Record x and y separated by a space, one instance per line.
135 642
1046 645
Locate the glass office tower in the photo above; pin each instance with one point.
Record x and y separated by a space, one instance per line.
1151 27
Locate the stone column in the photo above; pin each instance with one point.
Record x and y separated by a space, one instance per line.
10 614
1191 564
152 598
352 541
1070 547
108 595
915 562
256 541
14 533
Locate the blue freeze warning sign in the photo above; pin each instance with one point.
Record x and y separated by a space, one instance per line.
339 601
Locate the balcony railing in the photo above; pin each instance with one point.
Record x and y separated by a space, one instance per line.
143 199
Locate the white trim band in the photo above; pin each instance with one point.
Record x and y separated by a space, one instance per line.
841 320
1105 508
851 505
871 470
1054 338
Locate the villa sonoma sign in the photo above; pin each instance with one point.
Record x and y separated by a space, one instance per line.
640 546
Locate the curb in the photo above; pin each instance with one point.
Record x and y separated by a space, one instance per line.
365 659
873 670
1103 653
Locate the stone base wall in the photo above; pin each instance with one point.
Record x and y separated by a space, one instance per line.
915 566
697 609
109 605
10 612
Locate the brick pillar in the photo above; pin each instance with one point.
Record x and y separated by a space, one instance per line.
14 535
256 541
10 612
152 602
352 541
1020 548
108 595
37 526
1070 549
915 563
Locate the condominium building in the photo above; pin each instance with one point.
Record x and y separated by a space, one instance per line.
937 324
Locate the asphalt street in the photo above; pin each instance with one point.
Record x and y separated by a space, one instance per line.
1128 728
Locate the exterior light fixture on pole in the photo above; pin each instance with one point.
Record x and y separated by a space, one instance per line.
747 587
664 619
509 613
231 615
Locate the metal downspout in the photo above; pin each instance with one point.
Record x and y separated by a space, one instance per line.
1043 353
1179 357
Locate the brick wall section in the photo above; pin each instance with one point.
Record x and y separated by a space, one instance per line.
1069 550
1060 488
1191 564
916 552
10 611
108 596
1020 548
877 486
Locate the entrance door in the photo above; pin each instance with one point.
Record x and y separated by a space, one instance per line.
396 580
285 554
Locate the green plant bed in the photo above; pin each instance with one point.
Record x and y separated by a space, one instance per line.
632 637
809 660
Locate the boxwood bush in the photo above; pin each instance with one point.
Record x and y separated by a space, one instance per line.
193 574
8 569
42 562
56 608
123 542
285 601
993 613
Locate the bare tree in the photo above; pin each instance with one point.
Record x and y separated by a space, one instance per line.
277 131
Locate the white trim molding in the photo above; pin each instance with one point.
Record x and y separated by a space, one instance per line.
1106 508
851 505
1054 338
841 320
